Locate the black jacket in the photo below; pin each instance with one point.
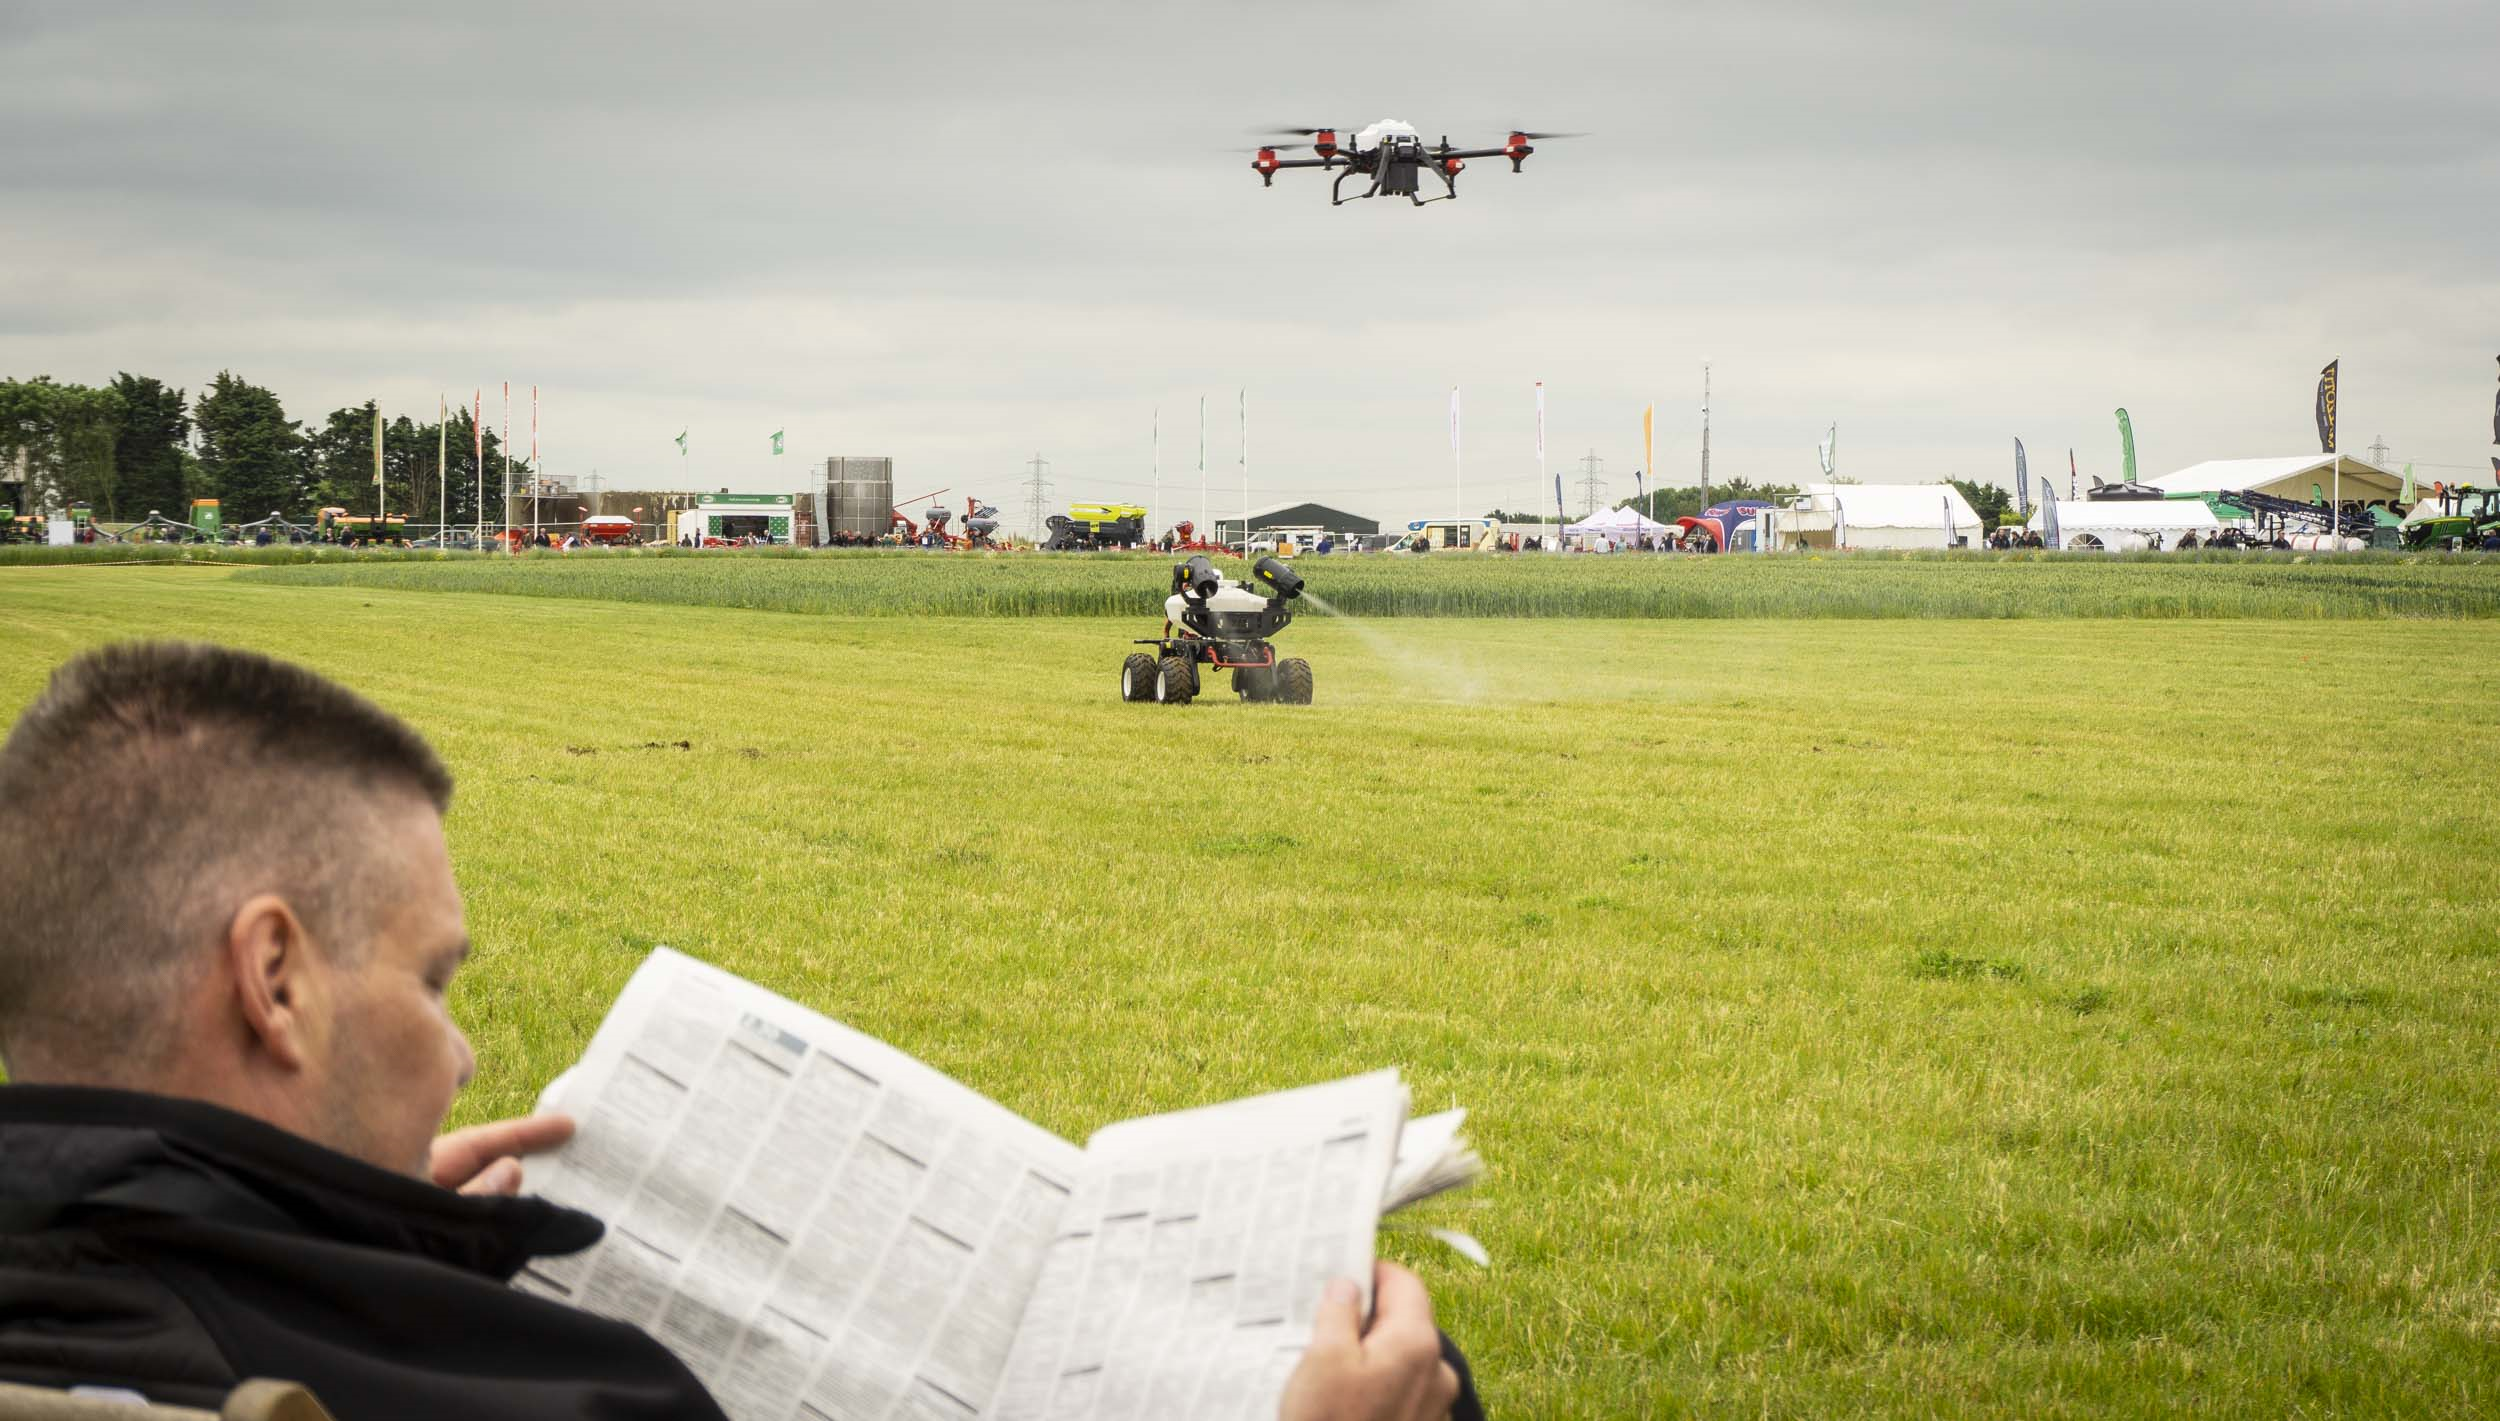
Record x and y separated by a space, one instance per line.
178 1248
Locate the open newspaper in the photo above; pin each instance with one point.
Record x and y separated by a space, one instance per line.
825 1228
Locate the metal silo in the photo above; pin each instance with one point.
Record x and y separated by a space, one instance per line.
859 497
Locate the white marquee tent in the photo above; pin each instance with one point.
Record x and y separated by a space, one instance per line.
1874 516
1619 526
2299 477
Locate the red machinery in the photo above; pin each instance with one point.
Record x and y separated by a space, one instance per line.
1185 539
896 518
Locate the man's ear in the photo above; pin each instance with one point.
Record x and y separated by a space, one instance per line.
274 987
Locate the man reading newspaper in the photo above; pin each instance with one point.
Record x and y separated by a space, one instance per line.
230 924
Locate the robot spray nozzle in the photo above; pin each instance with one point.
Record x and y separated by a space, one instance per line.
1281 581
1196 578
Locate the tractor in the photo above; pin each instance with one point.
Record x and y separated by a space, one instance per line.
2465 518
1207 623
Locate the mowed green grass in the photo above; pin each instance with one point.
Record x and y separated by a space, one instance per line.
1898 1018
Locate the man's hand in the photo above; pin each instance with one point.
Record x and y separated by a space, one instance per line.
485 1159
1393 1372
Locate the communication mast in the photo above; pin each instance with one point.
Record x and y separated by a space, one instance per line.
1705 434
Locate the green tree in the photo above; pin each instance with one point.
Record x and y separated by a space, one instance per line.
61 438
148 452
1992 504
1665 505
341 455
252 454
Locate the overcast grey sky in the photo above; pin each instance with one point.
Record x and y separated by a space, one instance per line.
962 234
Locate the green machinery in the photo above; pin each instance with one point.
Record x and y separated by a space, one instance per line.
2454 517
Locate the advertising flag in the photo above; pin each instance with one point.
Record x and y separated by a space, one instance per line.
2022 482
2126 440
1453 421
776 441
681 444
1827 450
2073 480
2409 495
377 444
1540 423
2326 407
2048 514
1562 516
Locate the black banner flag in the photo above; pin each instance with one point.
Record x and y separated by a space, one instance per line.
2326 407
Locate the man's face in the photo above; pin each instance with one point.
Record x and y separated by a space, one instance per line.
395 1058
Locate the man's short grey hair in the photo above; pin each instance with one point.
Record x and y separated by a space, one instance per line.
146 795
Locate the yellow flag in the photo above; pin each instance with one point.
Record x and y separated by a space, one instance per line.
1649 440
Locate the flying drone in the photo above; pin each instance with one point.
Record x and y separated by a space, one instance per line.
1393 155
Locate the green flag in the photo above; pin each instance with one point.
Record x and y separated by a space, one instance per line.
2409 494
776 441
2126 436
681 443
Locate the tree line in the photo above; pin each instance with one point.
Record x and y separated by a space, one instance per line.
137 445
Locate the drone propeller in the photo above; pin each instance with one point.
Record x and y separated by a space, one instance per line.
1537 137
1298 132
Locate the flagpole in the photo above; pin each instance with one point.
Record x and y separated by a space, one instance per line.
1205 523
1458 470
535 471
507 466
1155 440
379 497
442 472
477 431
1245 473
1553 544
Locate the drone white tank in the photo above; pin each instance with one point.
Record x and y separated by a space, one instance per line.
1370 137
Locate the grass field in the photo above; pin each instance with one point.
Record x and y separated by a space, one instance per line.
1477 585
1870 585
1861 1017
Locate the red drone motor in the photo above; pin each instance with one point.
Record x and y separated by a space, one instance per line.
1517 150
1265 165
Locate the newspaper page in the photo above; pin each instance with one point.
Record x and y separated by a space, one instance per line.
1190 1261
824 1228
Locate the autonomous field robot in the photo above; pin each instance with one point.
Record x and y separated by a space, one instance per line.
1210 623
